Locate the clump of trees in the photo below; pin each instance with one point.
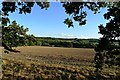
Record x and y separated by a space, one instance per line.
108 50
62 42
15 35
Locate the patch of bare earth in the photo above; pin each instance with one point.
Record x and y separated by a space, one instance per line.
53 55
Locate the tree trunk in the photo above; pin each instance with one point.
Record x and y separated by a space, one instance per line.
8 48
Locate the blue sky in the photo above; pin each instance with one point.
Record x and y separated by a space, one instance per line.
49 23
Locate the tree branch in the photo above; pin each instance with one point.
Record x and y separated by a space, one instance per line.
9 49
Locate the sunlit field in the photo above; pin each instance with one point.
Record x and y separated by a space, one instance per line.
51 63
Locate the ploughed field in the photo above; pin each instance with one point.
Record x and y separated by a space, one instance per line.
51 63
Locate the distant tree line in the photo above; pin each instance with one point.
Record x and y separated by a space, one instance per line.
61 42
31 40
15 35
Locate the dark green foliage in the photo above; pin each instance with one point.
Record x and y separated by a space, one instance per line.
38 43
108 49
30 40
22 7
13 34
5 21
68 22
78 13
63 42
44 43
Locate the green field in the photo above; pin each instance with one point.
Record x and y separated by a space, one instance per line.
52 63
